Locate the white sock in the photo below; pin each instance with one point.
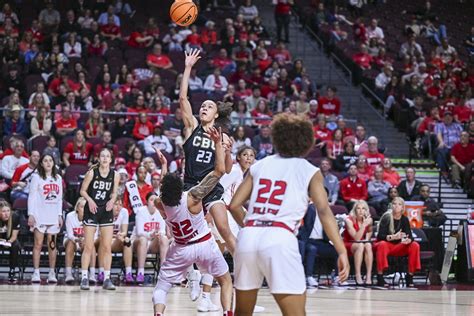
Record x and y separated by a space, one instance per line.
51 271
101 270
37 271
92 271
128 270
68 271
206 295
141 270
106 275
85 274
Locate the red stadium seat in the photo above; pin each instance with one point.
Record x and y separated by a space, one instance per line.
73 173
121 143
39 143
338 209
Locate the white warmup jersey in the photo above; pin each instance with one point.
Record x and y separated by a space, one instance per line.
75 228
280 190
187 230
146 224
185 227
279 194
121 219
45 200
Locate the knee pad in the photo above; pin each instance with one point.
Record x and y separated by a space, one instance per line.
207 279
52 243
160 292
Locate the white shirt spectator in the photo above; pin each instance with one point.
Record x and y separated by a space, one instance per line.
446 54
382 80
161 142
249 12
72 51
45 97
376 32
212 84
9 165
195 83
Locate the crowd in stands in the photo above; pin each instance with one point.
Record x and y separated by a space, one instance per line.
79 79
418 64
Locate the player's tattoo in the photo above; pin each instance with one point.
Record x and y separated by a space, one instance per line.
199 191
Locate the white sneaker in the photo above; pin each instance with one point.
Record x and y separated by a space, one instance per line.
52 277
206 305
311 282
194 278
92 279
258 309
69 279
36 278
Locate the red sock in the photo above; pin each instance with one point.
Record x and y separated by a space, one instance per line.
158 314
228 313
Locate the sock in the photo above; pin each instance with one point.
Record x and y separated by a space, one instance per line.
141 270
92 271
206 295
228 313
128 270
51 270
85 274
106 275
158 314
37 271
68 271
101 270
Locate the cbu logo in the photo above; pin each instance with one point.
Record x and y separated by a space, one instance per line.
202 142
148 227
101 185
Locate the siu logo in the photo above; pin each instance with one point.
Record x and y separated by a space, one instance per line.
51 191
151 226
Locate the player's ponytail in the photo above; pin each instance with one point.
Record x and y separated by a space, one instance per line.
223 120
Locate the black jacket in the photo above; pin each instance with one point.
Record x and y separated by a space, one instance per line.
403 193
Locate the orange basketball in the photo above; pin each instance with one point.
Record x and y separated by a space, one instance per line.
183 12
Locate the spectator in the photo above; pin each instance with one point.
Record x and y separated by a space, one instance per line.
193 40
106 143
242 53
410 48
330 104
334 147
331 182
94 126
157 60
378 190
374 157
432 214
280 54
357 236
341 124
314 244
469 42
22 177
138 39
253 100
375 31
410 187
395 239
362 58
448 134
353 188
49 18
364 170
41 124
157 141
238 140
66 123
240 115
69 26
321 132
143 188
462 158
78 151
262 114
110 31
9 229
347 158
302 105
390 174
262 143
14 82
63 79
446 51
12 161
359 139
14 124
135 160
282 18
52 150
248 11
7 12
382 80
143 127
122 7
215 83
104 17
195 83
373 49
173 126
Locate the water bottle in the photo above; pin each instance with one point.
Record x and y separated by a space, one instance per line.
469 213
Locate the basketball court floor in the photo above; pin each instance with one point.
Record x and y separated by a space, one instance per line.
57 300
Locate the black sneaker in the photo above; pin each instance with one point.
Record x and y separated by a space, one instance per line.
12 276
381 280
85 284
409 280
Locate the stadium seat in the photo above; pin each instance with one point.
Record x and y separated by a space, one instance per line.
121 143
38 143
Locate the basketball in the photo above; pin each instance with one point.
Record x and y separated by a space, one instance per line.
183 12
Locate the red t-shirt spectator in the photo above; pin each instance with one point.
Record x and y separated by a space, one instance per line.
110 29
142 130
374 159
267 89
282 7
329 106
162 61
194 39
78 157
322 134
462 154
353 189
98 148
131 167
363 60
209 37
63 123
392 177
463 113
265 118
54 85
132 40
280 55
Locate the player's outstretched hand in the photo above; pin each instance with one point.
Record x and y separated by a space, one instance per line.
161 157
192 57
343 266
215 134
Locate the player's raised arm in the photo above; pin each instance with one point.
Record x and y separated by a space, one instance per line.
190 122
241 196
198 192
